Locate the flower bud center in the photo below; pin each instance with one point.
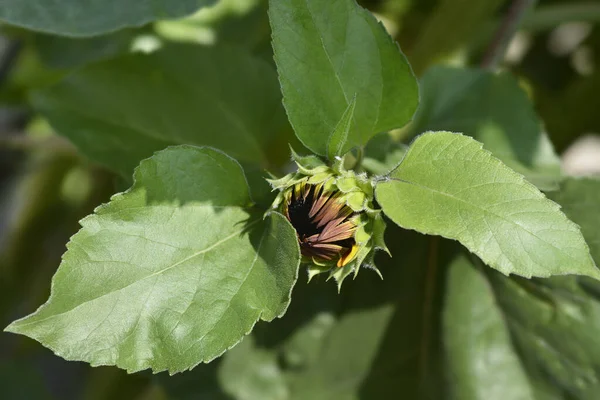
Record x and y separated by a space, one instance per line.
322 222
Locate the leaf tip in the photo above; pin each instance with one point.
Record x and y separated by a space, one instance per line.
10 328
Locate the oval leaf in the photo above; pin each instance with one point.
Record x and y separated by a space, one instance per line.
92 17
121 111
171 273
448 185
327 52
339 136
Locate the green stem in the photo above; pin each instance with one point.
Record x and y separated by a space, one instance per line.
511 22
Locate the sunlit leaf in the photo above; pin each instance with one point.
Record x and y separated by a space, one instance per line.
329 52
448 185
172 272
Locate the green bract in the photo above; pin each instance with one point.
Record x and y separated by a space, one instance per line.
351 195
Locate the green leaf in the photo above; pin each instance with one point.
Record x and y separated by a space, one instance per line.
252 373
493 109
516 338
329 51
508 337
481 360
172 272
448 185
339 136
121 111
92 17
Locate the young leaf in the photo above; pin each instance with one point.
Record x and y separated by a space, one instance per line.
91 17
327 52
121 111
172 272
448 185
494 110
339 136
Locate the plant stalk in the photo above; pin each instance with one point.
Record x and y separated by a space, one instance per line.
509 26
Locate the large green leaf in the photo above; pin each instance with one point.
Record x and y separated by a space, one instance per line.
120 111
172 272
494 110
330 52
92 17
521 339
526 339
448 185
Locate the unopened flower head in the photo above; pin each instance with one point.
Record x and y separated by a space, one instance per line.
324 224
331 209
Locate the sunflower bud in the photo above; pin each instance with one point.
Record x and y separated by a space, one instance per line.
332 211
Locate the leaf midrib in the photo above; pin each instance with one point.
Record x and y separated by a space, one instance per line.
196 254
335 73
449 195
237 291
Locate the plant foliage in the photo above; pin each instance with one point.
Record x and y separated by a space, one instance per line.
491 290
